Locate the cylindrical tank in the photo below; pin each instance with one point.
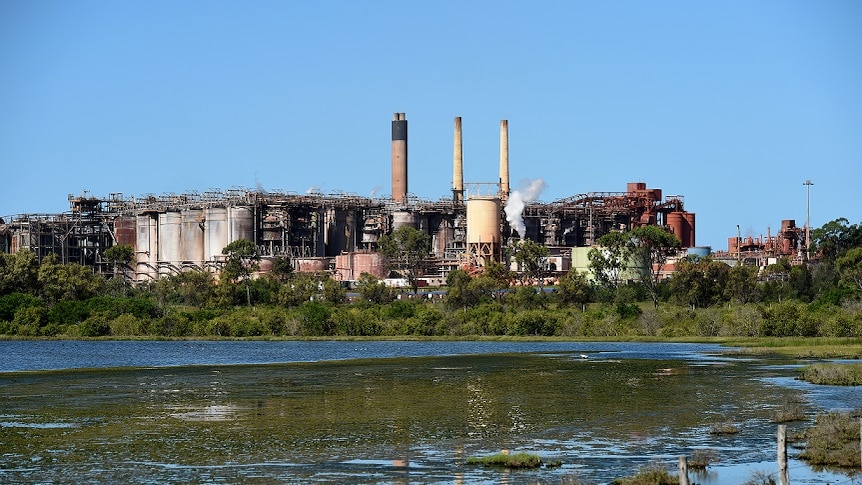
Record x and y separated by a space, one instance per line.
483 220
146 246
193 236
678 226
215 232
699 251
170 237
125 231
401 219
399 158
311 265
241 223
787 224
690 219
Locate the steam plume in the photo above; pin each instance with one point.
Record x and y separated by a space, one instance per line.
528 192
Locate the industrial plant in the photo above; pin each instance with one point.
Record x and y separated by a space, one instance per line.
339 233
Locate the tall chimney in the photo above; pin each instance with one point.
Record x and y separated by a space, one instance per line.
399 158
504 159
458 165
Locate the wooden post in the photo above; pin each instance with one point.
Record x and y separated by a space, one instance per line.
683 471
860 442
783 478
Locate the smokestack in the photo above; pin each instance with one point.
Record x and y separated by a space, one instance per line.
504 159
399 158
458 165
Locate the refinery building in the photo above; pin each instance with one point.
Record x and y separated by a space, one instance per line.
338 233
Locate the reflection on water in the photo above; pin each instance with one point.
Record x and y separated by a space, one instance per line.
392 420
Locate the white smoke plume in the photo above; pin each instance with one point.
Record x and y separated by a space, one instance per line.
528 192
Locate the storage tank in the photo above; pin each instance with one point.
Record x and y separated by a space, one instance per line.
699 251
679 227
402 218
241 223
146 246
215 232
484 238
193 236
125 231
689 219
311 265
170 238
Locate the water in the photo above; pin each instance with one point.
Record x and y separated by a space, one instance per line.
381 412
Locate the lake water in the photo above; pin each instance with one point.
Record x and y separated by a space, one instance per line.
388 412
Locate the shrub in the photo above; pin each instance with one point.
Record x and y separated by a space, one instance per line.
518 460
833 440
833 374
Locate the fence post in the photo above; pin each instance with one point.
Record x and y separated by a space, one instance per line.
683 471
783 478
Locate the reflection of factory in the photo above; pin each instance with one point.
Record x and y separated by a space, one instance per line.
339 233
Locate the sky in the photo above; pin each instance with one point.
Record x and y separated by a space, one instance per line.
731 104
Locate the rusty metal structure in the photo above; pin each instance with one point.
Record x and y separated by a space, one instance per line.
338 232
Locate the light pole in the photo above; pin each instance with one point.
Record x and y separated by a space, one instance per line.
808 184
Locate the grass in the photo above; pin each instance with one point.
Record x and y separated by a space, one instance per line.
505 460
649 475
833 374
801 347
833 440
702 458
791 410
723 428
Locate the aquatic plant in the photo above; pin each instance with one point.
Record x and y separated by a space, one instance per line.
702 458
505 460
832 374
833 440
649 475
723 428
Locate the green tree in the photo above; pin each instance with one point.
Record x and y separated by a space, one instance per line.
835 238
849 268
608 260
406 249
649 247
698 282
373 290
120 256
19 272
741 285
575 289
71 281
531 259
242 262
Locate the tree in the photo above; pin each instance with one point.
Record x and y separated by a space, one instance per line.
19 272
698 282
574 289
531 259
836 237
849 268
373 290
406 248
608 260
242 262
71 281
120 256
649 248
741 285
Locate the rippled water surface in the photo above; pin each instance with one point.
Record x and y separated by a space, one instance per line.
381 412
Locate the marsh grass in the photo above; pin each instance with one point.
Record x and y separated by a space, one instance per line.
832 374
505 460
726 428
702 458
791 409
649 475
833 440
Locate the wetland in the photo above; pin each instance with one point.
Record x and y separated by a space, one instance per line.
389 412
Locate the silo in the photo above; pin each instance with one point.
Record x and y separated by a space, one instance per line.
124 230
483 227
679 227
240 223
193 236
170 238
215 232
402 218
689 219
146 246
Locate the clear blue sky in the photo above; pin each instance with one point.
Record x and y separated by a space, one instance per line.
732 104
